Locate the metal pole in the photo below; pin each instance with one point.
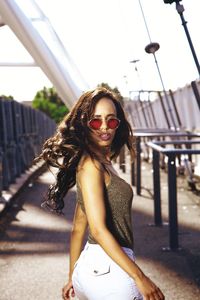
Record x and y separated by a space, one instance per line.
138 165
143 111
1 172
133 173
158 69
172 199
196 92
148 110
138 114
164 91
152 112
140 84
175 108
156 188
122 160
131 115
164 110
180 9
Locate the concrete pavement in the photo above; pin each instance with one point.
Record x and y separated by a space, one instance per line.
35 244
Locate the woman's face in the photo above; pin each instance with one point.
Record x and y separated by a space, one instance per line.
104 110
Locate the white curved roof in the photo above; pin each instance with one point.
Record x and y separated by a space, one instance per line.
36 33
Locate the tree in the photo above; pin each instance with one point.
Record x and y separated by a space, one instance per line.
6 97
48 101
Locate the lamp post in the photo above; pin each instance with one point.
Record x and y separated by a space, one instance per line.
151 49
141 90
180 9
135 61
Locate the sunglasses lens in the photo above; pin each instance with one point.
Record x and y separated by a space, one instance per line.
113 123
95 123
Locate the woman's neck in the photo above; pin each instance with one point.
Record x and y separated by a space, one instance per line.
104 152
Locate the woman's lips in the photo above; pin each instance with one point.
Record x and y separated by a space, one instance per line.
105 136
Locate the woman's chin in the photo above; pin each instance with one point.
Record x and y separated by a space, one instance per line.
104 143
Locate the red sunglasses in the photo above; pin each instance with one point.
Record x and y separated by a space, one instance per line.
112 123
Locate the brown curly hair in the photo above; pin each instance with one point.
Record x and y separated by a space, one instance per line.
71 140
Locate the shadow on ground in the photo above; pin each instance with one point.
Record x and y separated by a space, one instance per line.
41 237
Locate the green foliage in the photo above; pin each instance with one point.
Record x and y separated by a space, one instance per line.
6 97
115 90
48 101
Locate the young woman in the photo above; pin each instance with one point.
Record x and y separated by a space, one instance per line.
83 148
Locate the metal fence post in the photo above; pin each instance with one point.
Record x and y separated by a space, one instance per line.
196 92
3 144
133 173
11 145
172 199
122 160
164 109
17 121
1 172
175 108
156 187
138 165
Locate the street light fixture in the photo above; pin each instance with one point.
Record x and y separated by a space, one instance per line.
180 9
135 61
171 1
152 47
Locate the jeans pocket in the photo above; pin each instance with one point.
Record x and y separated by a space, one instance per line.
98 268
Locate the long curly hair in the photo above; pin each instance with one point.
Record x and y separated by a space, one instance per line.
71 140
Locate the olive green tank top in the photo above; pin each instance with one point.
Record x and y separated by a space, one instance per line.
118 196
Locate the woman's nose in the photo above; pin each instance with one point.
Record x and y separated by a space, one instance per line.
104 125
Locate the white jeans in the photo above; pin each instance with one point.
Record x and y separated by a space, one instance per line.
97 277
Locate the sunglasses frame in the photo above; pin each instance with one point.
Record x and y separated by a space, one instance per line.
102 122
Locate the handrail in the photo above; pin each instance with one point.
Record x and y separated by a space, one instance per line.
23 130
172 185
156 145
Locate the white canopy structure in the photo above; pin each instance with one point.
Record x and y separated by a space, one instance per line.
36 33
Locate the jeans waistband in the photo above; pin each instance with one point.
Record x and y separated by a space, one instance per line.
98 248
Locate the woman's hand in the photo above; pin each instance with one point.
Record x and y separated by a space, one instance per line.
148 289
68 291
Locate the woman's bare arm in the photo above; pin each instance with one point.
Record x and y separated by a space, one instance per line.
76 242
77 236
91 179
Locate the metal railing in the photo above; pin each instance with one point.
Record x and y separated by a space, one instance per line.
158 147
144 137
22 133
171 153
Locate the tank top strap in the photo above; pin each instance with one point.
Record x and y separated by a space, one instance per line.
103 165
106 169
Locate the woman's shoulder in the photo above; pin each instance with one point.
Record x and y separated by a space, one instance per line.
87 165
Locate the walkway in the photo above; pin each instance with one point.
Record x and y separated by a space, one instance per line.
34 246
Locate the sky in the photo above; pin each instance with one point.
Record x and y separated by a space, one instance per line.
102 37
